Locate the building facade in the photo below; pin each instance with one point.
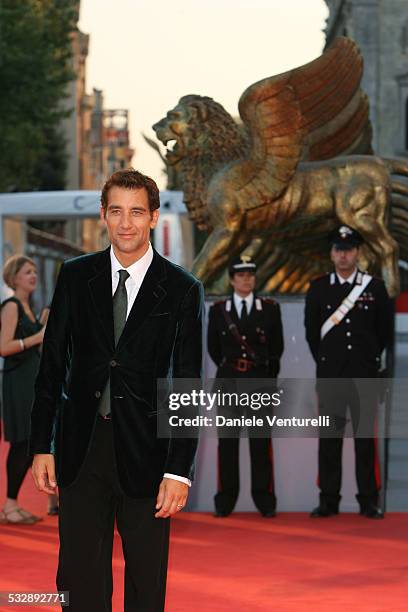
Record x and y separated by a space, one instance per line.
380 28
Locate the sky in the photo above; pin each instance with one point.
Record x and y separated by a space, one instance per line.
146 54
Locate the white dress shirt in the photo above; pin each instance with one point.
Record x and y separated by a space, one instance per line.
137 272
249 300
349 279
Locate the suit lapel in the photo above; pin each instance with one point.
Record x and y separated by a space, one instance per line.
341 290
256 319
150 294
255 315
100 287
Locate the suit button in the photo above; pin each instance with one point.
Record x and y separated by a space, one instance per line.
349 347
347 320
348 333
244 337
98 394
244 354
113 363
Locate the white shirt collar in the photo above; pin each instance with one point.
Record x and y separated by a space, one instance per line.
137 270
249 299
349 279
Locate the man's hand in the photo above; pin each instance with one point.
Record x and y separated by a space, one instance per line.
172 497
43 469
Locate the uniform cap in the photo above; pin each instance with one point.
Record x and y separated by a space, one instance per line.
345 238
243 263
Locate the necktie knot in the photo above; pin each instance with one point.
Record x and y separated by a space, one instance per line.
123 276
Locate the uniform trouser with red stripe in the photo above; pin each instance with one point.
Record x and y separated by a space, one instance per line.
360 397
262 485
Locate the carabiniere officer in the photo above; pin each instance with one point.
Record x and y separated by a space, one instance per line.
245 340
349 322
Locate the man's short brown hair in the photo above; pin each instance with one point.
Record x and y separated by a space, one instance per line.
130 178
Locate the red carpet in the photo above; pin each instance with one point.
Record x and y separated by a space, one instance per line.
243 563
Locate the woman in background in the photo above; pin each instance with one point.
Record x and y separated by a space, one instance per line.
21 337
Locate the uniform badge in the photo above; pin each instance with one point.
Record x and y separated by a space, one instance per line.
345 231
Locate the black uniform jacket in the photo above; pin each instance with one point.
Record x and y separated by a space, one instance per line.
263 334
162 338
354 346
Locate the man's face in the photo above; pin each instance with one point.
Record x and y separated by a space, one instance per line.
243 283
128 221
344 261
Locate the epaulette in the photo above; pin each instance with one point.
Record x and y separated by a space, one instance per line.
268 300
373 276
222 304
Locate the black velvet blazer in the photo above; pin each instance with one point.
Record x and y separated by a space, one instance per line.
162 338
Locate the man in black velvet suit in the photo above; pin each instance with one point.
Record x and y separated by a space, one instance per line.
120 319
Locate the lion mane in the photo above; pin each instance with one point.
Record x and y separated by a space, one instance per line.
215 140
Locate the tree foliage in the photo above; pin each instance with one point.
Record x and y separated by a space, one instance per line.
35 69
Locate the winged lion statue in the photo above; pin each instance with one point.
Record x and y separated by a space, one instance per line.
299 163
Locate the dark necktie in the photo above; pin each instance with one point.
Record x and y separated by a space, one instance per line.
244 313
120 304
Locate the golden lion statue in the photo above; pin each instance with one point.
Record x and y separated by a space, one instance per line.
275 185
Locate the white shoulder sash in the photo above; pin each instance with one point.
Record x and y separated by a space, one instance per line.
345 307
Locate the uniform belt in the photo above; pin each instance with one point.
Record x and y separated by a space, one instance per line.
242 365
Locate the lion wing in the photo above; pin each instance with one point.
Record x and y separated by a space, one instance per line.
314 112
335 110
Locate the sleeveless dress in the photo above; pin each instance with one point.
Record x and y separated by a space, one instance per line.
19 374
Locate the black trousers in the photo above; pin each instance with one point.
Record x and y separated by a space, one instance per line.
262 484
360 397
87 514
18 464
260 448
